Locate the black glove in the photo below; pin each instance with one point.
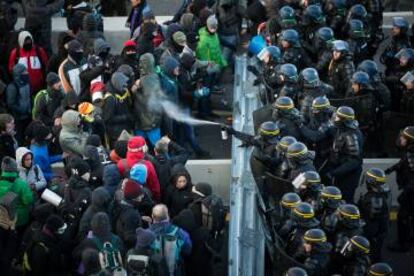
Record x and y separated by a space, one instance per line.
388 171
256 82
253 70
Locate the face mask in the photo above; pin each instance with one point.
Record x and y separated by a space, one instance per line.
27 46
132 55
24 78
103 55
77 56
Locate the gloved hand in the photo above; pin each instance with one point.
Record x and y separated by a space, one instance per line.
330 177
253 70
388 171
228 128
256 82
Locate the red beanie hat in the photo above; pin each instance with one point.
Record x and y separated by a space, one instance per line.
131 189
136 144
130 43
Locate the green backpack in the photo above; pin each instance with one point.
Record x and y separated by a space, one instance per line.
109 256
36 102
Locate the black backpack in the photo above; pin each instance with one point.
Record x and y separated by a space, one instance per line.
146 264
213 214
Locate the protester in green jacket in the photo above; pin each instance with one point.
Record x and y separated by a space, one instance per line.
208 47
10 181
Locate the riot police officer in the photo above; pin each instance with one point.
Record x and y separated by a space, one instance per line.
330 200
300 159
375 206
406 63
264 145
292 49
276 24
364 102
303 219
336 15
349 224
317 252
359 12
355 259
345 163
284 211
399 41
312 88
280 163
285 114
270 56
405 180
323 43
407 100
288 75
358 41
313 18
382 269
341 67
310 189
318 132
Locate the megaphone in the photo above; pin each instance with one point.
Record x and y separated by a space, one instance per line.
51 197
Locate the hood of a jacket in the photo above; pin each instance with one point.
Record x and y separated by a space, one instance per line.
101 226
146 64
111 178
20 153
100 198
185 220
18 70
100 46
70 120
119 82
22 37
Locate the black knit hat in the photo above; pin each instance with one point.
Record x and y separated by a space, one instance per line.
9 165
79 167
54 223
52 78
203 189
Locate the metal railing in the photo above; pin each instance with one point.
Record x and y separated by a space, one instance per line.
246 238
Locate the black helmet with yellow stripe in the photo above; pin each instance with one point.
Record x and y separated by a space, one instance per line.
304 215
320 104
290 200
357 245
297 151
283 105
331 197
349 215
345 116
380 269
375 179
269 129
296 271
314 236
285 142
408 133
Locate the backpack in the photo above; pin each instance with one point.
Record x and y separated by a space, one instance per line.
109 254
169 246
8 214
26 254
42 94
213 216
151 264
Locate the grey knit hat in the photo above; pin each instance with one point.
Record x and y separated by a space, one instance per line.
8 165
212 22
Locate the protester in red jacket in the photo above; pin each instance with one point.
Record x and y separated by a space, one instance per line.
136 154
33 57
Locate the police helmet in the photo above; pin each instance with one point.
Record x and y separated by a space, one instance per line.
345 113
290 200
269 129
326 34
408 133
400 22
407 54
368 66
284 103
296 271
291 36
374 176
285 142
274 52
360 78
296 150
320 103
356 28
303 211
340 46
289 72
287 14
314 236
380 269
310 78
331 197
312 178
348 212
357 11
358 244
408 77
314 13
